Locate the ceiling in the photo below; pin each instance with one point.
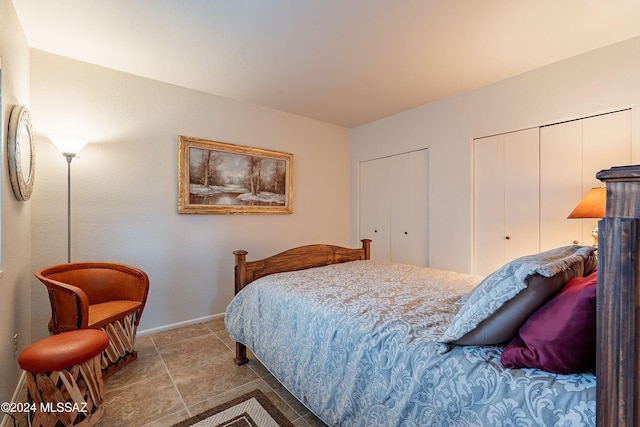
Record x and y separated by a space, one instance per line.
346 62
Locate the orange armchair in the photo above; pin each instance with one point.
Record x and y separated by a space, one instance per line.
98 295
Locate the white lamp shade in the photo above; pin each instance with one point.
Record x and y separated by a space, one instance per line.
68 144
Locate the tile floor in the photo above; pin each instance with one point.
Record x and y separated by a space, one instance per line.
182 372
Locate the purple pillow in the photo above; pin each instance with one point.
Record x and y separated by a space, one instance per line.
560 337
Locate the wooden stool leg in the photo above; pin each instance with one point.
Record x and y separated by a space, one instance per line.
121 348
73 397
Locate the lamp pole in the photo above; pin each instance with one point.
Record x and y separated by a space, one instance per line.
69 157
69 147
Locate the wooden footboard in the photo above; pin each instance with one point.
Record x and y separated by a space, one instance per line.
299 258
618 301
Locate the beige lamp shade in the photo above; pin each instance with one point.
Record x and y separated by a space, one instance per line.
593 205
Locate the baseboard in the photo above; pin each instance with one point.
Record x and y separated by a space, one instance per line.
6 420
177 325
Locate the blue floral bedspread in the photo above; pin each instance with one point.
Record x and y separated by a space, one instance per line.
356 343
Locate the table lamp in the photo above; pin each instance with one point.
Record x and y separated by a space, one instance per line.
593 205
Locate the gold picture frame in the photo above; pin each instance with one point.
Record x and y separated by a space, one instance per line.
221 178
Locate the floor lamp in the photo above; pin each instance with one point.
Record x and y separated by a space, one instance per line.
69 147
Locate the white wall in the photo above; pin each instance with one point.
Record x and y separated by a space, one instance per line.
15 276
125 194
598 81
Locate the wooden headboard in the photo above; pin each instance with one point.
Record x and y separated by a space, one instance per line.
295 259
618 301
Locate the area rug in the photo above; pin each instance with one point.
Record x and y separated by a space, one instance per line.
253 409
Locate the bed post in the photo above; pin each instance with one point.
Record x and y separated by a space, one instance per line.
241 269
366 246
240 282
618 301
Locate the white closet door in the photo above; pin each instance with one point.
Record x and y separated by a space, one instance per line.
522 198
419 208
393 205
571 155
409 221
606 142
560 184
374 207
489 204
506 203
399 207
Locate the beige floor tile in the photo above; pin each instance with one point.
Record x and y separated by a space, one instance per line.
216 325
142 402
207 379
180 334
148 365
224 336
144 344
193 351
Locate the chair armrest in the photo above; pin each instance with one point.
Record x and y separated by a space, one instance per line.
69 306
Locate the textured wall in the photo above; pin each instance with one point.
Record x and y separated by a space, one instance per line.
15 277
599 81
124 185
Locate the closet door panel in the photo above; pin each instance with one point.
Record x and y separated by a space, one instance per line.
419 208
606 142
400 194
522 203
506 198
366 200
560 184
393 200
374 206
489 204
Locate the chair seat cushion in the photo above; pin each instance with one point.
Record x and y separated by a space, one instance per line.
62 351
106 312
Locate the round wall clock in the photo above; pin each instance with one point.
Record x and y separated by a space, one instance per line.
20 152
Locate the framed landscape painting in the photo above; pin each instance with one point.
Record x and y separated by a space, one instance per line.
222 178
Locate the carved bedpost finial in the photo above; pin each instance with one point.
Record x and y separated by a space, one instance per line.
241 256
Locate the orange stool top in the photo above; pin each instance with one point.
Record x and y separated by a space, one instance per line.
63 351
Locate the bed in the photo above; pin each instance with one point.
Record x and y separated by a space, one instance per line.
362 342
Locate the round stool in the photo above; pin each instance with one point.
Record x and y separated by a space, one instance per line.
64 378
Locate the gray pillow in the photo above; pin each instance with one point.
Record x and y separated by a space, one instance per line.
496 309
